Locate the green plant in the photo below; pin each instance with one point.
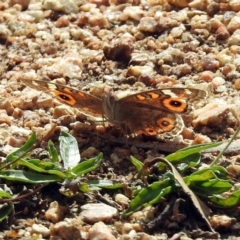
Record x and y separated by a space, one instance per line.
18 167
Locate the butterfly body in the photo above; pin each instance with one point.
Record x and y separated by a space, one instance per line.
150 112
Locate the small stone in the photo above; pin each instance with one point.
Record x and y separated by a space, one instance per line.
66 6
17 113
217 81
234 169
234 5
23 3
122 199
126 228
237 84
4 118
120 52
221 221
206 76
148 24
215 115
55 212
4 32
222 33
61 111
5 104
224 57
198 4
92 213
67 230
99 231
45 101
31 119
100 2
210 63
134 12
89 152
139 70
234 39
40 229
63 21
234 24
179 3
200 139
16 141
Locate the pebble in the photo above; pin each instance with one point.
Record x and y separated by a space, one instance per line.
61 111
134 12
177 3
23 3
67 230
234 39
206 76
234 24
222 33
44 101
210 63
234 5
148 24
17 113
4 118
217 81
66 6
237 84
197 4
40 229
122 199
55 213
221 221
215 116
16 141
89 153
5 104
4 32
99 231
224 57
93 213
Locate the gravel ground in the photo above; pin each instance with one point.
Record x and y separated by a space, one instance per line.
131 46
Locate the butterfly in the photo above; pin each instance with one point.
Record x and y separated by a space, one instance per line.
152 112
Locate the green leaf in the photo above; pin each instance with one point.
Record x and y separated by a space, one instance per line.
183 153
53 152
43 166
5 210
218 170
206 182
190 161
84 188
87 166
23 150
230 201
138 164
201 177
211 187
106 184
29 177
69 150
4 194
150 195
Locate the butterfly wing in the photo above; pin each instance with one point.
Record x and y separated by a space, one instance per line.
153 122
176 100
151 112
86 103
